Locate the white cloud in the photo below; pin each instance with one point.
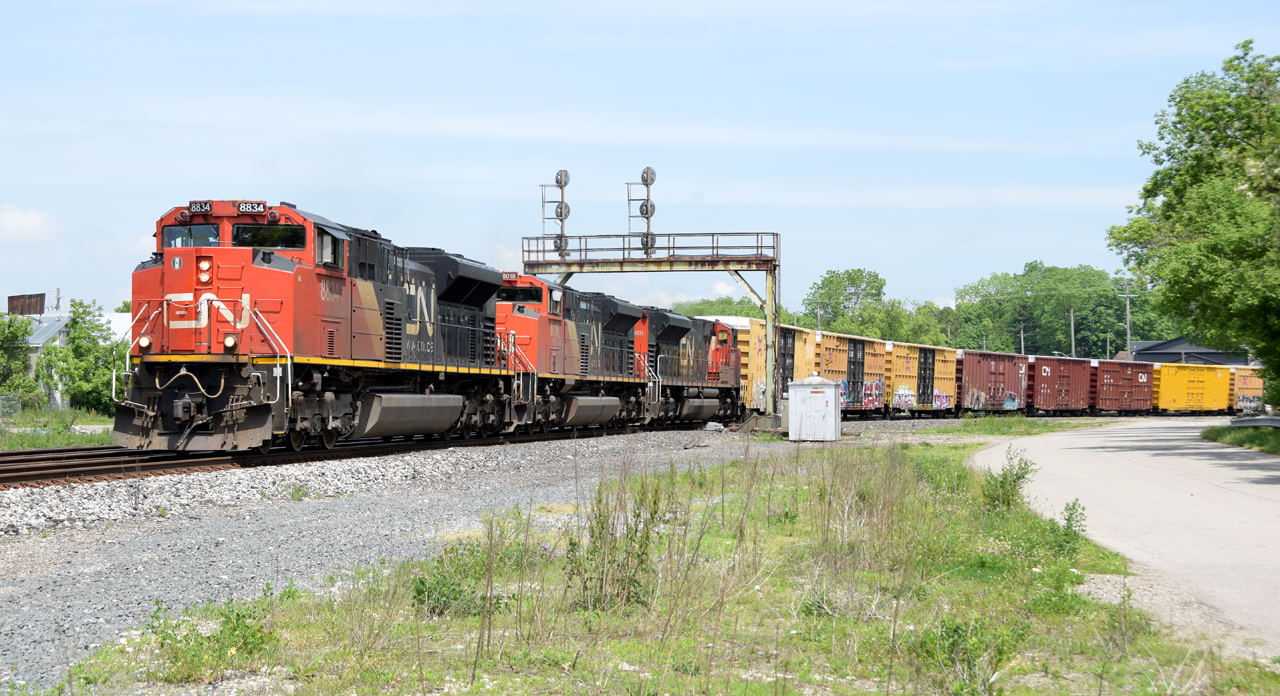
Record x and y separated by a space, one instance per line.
26 226
945 302
920 197
505 258
722 288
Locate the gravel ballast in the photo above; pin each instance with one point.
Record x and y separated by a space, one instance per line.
81 565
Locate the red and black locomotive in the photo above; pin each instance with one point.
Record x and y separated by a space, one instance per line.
257 325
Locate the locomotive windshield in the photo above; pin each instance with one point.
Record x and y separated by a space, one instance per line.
522 295
188 236
270 236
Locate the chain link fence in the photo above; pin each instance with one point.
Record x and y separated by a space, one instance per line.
10 406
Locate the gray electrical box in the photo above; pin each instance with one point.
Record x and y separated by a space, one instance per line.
813 413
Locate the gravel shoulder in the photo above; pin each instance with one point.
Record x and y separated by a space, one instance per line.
81 565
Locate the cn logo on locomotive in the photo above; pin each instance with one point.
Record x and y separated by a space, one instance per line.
202 310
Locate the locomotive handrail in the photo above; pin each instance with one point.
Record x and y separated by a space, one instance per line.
132 343
261 322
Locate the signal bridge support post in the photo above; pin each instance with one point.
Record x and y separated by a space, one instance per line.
733 252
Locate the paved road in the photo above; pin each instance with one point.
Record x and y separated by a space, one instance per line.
1204 515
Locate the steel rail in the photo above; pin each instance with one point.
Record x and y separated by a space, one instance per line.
70 465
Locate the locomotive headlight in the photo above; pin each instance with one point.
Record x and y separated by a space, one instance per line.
204 265
144 342
229 342
205 277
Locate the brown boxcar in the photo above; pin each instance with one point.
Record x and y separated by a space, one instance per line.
1120 386
1057 384
990 381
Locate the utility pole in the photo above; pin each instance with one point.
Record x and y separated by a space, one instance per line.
1022 339
984 341
57 300
819 318
1073 332
1108 345
1128 324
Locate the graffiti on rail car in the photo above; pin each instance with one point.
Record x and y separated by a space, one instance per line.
904 397
873 394
941 400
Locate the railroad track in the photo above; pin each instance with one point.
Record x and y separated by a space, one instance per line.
66 465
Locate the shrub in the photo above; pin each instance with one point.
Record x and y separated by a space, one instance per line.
237 634
1069 535
1003 491
613 564
971 653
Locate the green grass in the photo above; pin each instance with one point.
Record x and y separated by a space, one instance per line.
51 417
52 428
1013 425
1261 439
829 571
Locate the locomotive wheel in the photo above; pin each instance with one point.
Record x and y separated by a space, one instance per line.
544 427
467 432
447 435
329 439
485 430
264 448
297 440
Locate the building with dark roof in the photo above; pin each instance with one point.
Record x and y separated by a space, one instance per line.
1180 350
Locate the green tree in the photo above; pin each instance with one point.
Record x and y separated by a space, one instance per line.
15 361
844 297
81 369
125 307
1205 232
729 307
1007 311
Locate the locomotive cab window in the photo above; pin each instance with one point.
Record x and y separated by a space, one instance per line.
555 302
521 294
188 236
329 249
723 337
270 236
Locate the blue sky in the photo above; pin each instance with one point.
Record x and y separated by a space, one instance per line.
933 142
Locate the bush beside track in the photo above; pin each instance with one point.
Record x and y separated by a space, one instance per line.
1260 439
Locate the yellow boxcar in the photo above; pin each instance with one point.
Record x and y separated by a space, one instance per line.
1179 387
795 359
857 363
1246 389
831 356
919 378
901 375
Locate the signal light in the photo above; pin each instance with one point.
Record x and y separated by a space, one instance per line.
204 265
144 342
184 215
229 342
205 277
273 215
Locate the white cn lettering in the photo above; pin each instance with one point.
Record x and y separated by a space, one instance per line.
202 310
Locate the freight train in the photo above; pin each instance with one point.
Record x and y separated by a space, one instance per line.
882 378
257 326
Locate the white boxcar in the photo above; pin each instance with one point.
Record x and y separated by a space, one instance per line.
814 412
